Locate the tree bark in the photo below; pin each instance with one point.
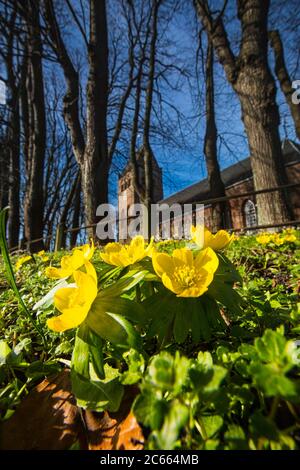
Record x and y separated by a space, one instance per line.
76 214
284 78
95 165
91 153
13 141
34 200
66 209
216 185
147 150
250 77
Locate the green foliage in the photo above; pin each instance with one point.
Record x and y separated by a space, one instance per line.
221 371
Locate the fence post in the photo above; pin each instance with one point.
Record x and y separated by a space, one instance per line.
58 237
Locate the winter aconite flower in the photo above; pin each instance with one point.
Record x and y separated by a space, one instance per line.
69 264
276 238
264 238
124 255
204 238
41 254
290 238
21 261
74 302
185 275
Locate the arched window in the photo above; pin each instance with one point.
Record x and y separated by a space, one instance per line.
250 216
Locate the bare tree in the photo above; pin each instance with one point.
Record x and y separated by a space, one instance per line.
250 76
34 123
216 185
91 151
12 148
284 78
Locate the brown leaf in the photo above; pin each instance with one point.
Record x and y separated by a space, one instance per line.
48 418
114 431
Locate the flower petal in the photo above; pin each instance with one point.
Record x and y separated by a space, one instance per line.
207 259
171 284
71 318
57 273
162 262
63 297
184 254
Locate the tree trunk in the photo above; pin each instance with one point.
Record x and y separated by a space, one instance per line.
284 78
147 150
34 201
95 164
13 136
66 209
92 154
14 177
76 214
216 185
250 77
4 170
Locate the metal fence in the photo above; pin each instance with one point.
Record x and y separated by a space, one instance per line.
61 230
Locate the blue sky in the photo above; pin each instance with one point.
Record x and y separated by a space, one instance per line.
183 165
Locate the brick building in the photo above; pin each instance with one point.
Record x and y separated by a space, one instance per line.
237 179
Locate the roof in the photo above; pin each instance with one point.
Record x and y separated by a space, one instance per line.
240 171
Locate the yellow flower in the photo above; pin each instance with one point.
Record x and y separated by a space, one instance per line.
204 238
290 238
289 230
43 255
74 302
264 238
277 240
71 263
124 255
185 275
21 261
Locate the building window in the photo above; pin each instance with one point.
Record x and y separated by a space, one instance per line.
250 217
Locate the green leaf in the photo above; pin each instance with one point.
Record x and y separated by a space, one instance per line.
200 324
226 295
80 356
136 367
129 309
212 312
160 372
219 373
181 325
166 372
39 369
212 424
261 426
125 283
95 347
273 381
227 271
7 356
174 421
111 326
161 308
150 410
236 438
97 395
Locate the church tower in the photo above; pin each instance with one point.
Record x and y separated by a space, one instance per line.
126 193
